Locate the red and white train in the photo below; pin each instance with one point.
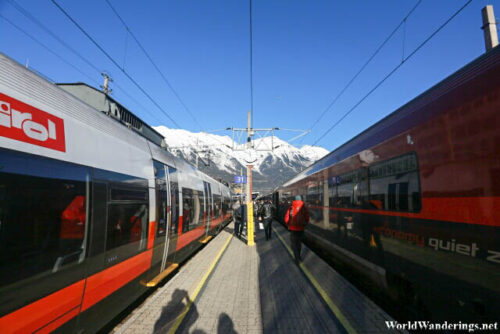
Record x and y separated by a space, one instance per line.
413 202
91 212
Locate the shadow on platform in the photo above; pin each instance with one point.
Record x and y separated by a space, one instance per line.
225 324
173 310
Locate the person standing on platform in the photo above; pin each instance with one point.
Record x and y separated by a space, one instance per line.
296 218
256 206
237 217
266 215
243 212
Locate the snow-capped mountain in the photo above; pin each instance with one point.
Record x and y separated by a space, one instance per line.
221 157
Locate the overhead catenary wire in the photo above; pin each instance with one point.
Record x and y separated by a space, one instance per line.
67 46
115 63
403 61
167 82
330 105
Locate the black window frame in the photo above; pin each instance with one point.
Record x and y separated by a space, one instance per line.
397 168
129 184
22 288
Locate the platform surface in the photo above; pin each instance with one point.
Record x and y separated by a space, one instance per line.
229 287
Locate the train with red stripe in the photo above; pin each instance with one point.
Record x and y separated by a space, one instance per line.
92 212
412 204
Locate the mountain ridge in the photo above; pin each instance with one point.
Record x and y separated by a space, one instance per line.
271 167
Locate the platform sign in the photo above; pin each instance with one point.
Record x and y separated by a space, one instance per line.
240 179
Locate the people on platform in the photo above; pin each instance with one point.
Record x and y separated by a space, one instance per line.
240 218
266 213
297 218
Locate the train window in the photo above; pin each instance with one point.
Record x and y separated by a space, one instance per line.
332 191
223 207
312 196
43 215
226 204
403 196
161 200
162 214
127 223
394 184
127 220
217 200
391 196
190 209
202 207
344 195
347 188
174 200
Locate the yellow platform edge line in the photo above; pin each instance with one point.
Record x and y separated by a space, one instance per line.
333 307
194 294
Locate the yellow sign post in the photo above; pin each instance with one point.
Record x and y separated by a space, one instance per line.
250 241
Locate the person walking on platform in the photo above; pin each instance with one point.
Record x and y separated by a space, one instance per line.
296 218
266 215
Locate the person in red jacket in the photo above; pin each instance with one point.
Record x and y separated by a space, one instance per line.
73 220
296 218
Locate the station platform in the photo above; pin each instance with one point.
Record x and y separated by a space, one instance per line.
229 287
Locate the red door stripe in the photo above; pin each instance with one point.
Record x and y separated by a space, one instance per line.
190 236
151 234
181 221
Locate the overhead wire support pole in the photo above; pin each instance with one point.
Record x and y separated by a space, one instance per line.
489 27
250 239
248 146
251 67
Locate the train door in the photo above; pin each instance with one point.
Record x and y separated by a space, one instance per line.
173 232
163 255
208 205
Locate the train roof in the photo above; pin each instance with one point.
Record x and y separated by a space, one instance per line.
41 93
382 130
108 105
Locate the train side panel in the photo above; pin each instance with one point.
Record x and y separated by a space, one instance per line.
413 201
79 210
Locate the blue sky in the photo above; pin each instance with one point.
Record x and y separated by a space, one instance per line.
304 54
